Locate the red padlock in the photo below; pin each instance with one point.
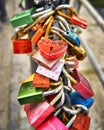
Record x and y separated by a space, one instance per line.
78 21
22 46
80 83
52 49
75 20
82 122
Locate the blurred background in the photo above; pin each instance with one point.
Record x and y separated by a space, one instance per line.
15 68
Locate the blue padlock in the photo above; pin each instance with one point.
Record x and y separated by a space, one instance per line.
77 99
72 37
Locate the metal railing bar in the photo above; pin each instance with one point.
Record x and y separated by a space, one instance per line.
93 61
99 20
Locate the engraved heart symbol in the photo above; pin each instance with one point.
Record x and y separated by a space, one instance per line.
52 49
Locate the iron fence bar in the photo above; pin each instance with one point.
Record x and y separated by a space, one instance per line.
91 57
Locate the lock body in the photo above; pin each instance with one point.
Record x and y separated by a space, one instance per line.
29 94
52 123
52 49
82 122
72 37
54 73
77 99
78 21
22 46
37 36
82 86
41 81
43 61
22 18
37 113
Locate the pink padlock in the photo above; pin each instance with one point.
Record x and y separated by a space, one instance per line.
38 113
52 123
80 83
40 59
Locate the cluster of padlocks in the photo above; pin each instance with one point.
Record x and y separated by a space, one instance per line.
57 96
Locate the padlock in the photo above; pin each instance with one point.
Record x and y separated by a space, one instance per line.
79 83
75 20
82 122
26 17
54 123
28 93
21 46
73 16
54 73
67 33
22 18
78 51
41 81
52 49
37 113
40 59
77 99
41 31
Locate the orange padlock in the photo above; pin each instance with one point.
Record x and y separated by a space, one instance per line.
41 81
41 31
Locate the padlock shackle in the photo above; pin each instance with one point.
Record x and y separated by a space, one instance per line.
54 91
64 22
71 121
41 13
49 27
69 76
61 103
56 98
56 83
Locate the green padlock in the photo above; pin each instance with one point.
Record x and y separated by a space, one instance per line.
29 94
25 17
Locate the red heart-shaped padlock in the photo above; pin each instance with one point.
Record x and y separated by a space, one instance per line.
52 49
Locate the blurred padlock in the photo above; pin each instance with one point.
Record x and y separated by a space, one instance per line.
26 17
21 46
22 18
80 83
43 61
75 20
37 113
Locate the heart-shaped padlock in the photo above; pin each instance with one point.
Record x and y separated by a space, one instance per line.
52 49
